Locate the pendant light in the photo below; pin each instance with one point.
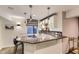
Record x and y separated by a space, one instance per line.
47 20
25 18
48 12
48 15
30 6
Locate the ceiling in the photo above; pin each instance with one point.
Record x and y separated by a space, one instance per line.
16 12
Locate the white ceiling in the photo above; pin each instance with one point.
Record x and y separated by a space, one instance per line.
16 12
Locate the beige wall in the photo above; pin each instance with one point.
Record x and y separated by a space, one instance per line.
70 27
72 13
0 33
58 21
6 37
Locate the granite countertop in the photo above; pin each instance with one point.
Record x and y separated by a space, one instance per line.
38 40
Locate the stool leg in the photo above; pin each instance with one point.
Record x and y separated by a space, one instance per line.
69 45
15 49
78 45
22 48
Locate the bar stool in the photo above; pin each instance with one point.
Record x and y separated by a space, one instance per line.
73 49
76 50
17 44
71 39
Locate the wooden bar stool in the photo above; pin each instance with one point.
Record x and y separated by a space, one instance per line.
73 50
71 39
76 50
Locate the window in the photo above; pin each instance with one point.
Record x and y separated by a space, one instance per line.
31 31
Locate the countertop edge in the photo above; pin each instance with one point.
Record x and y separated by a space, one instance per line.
41 41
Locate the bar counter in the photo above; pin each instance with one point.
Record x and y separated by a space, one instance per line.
44 46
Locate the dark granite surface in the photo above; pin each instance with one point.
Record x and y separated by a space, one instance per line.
37 40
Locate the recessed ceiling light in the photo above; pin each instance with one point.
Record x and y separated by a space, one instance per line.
18 23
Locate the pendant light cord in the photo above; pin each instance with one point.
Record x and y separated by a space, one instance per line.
48 11
30 11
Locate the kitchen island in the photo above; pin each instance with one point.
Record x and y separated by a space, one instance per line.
45 46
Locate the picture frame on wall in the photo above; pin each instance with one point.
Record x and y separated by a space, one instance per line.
9 27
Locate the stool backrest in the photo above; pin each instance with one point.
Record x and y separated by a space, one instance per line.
15 40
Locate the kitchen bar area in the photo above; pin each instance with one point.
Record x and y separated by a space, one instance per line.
39 29
43 36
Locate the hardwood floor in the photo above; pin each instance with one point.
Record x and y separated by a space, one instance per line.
10 50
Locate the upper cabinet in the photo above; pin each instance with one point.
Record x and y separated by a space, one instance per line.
49 23
54 23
